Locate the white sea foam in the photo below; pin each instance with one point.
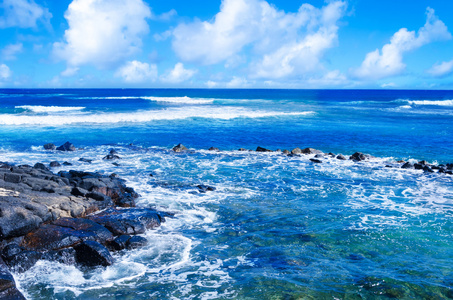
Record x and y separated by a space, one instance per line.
179 100
430 102
49 109
142 116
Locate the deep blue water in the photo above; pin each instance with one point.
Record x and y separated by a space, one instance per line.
277 227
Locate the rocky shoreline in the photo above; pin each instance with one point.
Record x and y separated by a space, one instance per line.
72 217
78 218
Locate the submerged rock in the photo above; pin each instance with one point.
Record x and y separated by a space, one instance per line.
50 146
214 149
261 149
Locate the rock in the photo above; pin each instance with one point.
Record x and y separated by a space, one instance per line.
12 177
418 166
98 196
11 250
319 155
87 160
296 151
449 166
111 157
120 242
311 151
23 261
8 290
205 188
67 147
92 254
358 156
136 242
65 256
67 163
242 149
331 154
286 152
317 161
427 169
128 221
179 148
214 149
54 164
78 191
423 163
50 146
40 166
261 149
341 157
113 152
407 165
64 233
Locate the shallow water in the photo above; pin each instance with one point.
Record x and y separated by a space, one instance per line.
276 227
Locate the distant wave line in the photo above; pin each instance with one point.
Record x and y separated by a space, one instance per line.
43 109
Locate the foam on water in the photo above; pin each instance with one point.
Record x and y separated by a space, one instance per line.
49 109
143 116
177 100
429 102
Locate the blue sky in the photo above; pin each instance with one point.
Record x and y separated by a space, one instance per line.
226 44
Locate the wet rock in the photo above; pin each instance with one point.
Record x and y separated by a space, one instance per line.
449 166
317 161
423 163
87 160
418 166
407 165
214 149
319 155
331 154
12 177
286 152
128 221
23 261
261 149
242 149
358 156
54 164
311 151
67 163
296 151
427 169
112 155
8 290
50 146
136 242
11 250
65 256
341 157
120 242
98 196
64 233
67 147
78 191
92 254
179 148
205 188
40 166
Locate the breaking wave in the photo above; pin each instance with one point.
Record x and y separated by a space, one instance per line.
49 109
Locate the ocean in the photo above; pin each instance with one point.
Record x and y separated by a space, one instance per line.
276 226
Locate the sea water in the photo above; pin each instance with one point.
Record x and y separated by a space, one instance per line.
276 227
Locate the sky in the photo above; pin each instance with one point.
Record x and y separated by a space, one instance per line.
307 44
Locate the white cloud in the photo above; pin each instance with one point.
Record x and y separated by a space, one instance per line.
237 82
389 61
441 70
10 51
5 72
23 14
211 84
178 74
167 16
102 32
69 72
137 72
282 43
332 78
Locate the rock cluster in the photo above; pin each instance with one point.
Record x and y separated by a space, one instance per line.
73 217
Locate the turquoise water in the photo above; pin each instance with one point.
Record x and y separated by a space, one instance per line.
276 227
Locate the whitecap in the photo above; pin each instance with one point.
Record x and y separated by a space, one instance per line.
49 109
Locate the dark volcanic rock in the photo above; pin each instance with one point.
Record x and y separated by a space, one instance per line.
286 152
358 156
317 161
179 148
8 290
50 146
136 242
67 163
92 254
261 149
87 160
341 157
242 149
214 149
128 221
120 242
418 166
54 164
67 147
407 165
111 157
427 169
65 256
311 151
40 166
23 261
205 188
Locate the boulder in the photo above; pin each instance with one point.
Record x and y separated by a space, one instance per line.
316 161
67 163
8 290
136 242
23 261
341 157
111 157
286 152
67 147
87 160
407 165
65 256
93 254
296 151
261 149
50 146
242 149
311 151
129 221
214 149
120 242
179 148
427 169
358 156
40 166
205 188
54 164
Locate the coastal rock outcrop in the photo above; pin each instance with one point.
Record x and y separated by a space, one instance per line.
179 148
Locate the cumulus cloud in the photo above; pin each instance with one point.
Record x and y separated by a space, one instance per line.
137 72
282 43
389 61
10 51
441 70
23 14
102 32
178 74
5 72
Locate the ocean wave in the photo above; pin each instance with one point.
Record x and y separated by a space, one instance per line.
49 109
142 116
427 102
180 100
